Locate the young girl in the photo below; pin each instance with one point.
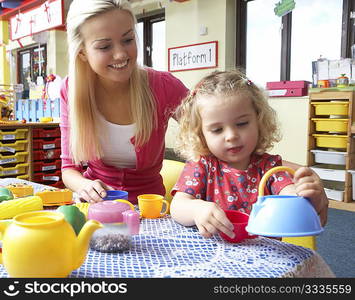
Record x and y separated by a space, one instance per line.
114 114
226 127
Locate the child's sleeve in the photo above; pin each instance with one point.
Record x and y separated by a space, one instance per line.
192 180
280 180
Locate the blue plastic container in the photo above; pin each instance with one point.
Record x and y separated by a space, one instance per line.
116 194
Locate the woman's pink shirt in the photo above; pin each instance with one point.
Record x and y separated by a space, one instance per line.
168 92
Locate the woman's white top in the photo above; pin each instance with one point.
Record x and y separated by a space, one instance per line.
116 144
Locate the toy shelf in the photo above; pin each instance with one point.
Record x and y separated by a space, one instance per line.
328 142
15 137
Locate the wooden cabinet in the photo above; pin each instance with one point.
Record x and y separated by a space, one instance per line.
32 152
331 144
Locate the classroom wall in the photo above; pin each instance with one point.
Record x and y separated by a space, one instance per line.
57 53
4 63
183 22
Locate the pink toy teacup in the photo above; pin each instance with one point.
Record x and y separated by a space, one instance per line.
131 218
240 221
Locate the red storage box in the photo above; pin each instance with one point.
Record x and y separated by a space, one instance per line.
46 154
47 176
287 88
58 184
46 144
46 132
40 166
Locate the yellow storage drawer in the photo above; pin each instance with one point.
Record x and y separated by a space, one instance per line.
331 141
16 134
19 169
331 108
334 125
19 157
20 145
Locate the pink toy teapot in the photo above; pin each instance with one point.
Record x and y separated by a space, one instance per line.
109 211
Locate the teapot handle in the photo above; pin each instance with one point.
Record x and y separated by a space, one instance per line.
268 174
3 226
127 202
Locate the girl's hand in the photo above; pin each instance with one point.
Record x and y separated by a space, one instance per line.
210 219
308 184
93 191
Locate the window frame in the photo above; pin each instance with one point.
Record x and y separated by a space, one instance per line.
148 20
347 36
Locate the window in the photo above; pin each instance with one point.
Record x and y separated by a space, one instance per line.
316 31
151 38
283 48
263 42
32 63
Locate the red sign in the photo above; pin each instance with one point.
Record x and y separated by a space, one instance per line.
47 16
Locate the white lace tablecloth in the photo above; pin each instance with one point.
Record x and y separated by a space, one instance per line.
165 248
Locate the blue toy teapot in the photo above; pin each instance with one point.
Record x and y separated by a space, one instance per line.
280 215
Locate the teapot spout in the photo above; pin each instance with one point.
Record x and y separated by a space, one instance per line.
256 207
83 240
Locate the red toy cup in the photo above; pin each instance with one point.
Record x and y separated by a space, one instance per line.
240 221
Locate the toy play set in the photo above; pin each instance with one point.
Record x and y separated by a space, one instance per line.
109 226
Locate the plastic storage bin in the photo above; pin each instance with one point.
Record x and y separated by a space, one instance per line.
331 140
57 184
46 144
17 134
46 154
40 166
20 145
50 176
329 174
334 194
334 125
352 172
329 157
19 169
46 132
331 108
16 158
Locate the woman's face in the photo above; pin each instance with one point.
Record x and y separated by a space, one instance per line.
110 45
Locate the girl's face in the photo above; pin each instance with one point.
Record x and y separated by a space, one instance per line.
110 45
230 128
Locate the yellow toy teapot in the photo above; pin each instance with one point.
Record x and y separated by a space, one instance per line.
43 244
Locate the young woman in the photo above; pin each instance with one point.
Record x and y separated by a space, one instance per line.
114 113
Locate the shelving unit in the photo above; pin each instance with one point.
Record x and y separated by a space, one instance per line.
331 146
31 151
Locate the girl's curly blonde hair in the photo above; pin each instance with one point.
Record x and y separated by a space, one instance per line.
191 143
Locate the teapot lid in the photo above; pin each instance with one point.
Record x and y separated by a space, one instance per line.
109 205
109 211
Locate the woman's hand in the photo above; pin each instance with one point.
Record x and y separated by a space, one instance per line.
308 184
93 191
210 219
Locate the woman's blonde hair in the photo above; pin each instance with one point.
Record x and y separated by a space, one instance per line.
191 143
84 128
